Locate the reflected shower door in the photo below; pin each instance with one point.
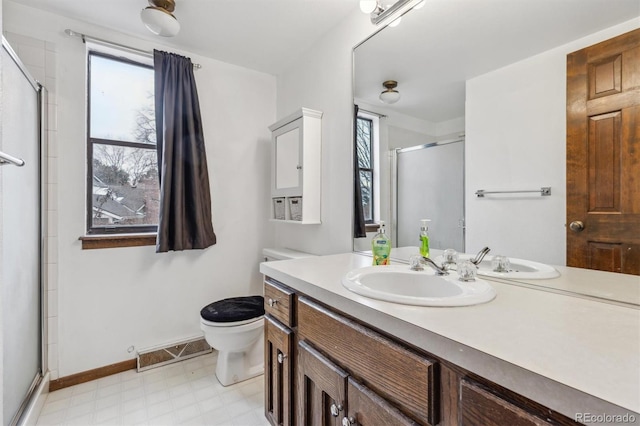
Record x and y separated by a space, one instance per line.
21 239
430 185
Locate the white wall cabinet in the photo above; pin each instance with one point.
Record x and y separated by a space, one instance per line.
296 143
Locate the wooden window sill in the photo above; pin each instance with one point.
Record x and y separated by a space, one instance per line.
113 241
371 227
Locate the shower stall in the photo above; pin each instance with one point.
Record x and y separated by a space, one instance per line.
429 184
22 232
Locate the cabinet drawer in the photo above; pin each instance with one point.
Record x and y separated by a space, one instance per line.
404 378
478 406
278 302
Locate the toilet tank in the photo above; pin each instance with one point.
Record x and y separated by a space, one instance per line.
283 254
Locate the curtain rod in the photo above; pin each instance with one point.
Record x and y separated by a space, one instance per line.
372 113
85 37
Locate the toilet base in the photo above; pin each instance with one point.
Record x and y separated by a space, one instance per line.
235 367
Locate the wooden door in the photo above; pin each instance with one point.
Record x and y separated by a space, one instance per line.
278 378
322 389
603 155
366 408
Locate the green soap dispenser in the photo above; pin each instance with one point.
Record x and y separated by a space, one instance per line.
424 237
381 247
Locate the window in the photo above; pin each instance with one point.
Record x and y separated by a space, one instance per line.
364 140
123 194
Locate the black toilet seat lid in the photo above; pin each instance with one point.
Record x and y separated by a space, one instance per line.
234 309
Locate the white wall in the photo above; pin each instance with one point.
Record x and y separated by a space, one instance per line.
516 138
111 299
321 80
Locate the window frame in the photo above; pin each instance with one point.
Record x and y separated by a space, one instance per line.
117 231
371 169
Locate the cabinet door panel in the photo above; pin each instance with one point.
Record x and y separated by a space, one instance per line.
407 379
278 378
365 408
321 389
478 406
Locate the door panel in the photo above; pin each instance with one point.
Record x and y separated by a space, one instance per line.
20 239
603 155
278 341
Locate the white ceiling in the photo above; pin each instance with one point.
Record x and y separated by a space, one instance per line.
435 49
264 35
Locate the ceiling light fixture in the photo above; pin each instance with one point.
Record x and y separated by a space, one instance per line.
385 14
390 96
158 19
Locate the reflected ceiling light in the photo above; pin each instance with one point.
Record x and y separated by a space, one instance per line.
385 14
158 19
368 6
390 96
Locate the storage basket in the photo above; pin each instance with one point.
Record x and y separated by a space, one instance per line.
295 208
278 208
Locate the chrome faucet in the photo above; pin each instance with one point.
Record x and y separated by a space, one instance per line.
417 262
481 254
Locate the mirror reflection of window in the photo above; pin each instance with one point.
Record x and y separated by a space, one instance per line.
364 140
367 140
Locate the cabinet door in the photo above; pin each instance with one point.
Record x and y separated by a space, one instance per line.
478 406
287 160
366 408
321 389
278 377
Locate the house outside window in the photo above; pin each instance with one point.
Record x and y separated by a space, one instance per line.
365 149
123 194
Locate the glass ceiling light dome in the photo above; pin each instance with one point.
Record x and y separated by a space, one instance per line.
390 96
158 19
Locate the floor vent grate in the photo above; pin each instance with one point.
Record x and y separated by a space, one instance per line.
157 357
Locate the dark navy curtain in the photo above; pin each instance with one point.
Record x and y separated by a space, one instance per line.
185 199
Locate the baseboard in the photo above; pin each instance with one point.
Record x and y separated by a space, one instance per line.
96 373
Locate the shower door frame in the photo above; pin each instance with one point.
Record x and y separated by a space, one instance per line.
41 93
395 179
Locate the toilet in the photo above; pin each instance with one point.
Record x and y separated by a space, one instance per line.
235 327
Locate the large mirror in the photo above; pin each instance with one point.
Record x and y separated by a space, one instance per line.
482 87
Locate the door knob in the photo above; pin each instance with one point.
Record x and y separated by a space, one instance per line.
281 358
576 226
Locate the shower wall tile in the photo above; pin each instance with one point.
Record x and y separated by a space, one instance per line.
52 276
52 303
52 143
38 73
18 40
52 171
52 196
52 119
52 223
50 63
52 250
52 325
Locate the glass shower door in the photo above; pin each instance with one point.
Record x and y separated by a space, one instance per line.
21 238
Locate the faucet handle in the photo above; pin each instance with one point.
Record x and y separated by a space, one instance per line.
416 263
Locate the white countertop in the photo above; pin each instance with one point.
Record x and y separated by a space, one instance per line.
583 344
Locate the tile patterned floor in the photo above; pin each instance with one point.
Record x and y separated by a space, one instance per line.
185 393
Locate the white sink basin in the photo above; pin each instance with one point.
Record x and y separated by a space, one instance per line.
399 284
520 269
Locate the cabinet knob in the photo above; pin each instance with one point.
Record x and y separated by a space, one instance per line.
281 358
348 421
299 167
335 409
272 302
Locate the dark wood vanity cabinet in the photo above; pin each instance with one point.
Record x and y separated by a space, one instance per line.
324 369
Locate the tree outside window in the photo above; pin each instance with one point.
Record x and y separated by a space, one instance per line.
122 174
364 142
